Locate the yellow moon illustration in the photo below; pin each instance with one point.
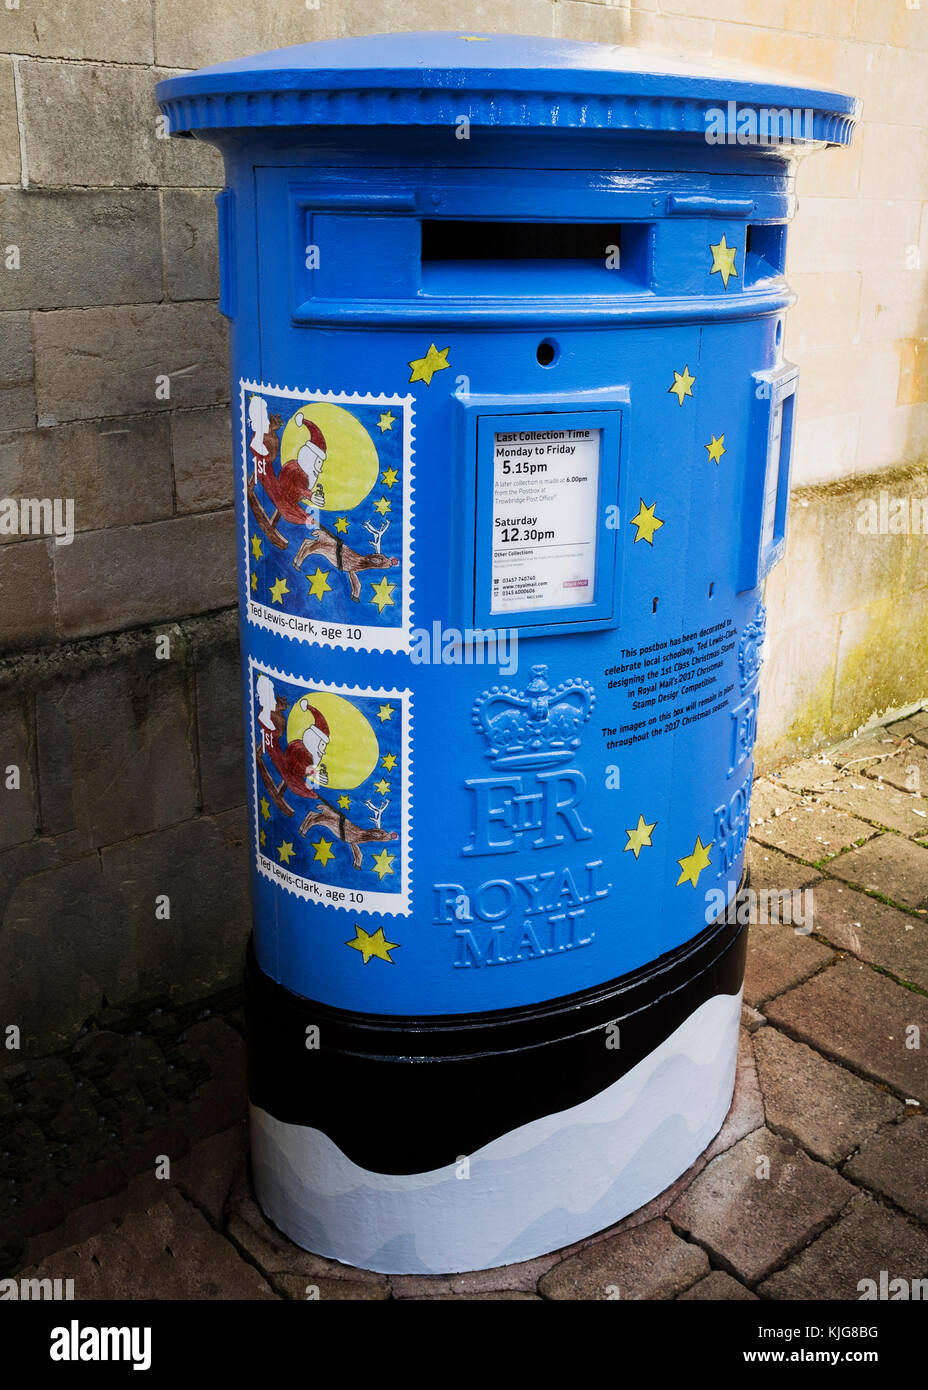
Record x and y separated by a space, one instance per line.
353 749
351 461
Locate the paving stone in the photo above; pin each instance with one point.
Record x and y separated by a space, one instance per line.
864 1242
517 1278
888 865
273 1253
747 1107
808 775
205 1175
17 386
102 129
880 803
778 958
146 574
81 247
907 771
770 799
203 458
857 1016
867 752
644 1263
297 1286
719 1287
142 1192
504 1296
81 29
873 931
771 869
191 248
138 349
752 1223
823 1107
816 832
168 1251
221 1101
895 1163
913 726
117 471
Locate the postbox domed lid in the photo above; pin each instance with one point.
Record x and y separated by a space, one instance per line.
502 80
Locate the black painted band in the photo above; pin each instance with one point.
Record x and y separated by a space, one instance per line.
406 1095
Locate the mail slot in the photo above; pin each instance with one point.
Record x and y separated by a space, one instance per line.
512 433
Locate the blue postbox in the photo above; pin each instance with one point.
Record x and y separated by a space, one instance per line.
512 433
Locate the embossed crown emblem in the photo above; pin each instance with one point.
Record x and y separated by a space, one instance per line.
536 726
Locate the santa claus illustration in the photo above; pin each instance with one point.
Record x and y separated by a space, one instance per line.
296 491
301 764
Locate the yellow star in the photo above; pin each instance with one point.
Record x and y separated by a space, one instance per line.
424 368
265 808
385 712
341 524
383 594
386 421
373 944
254 581
256 550
640 836
682 384
383 786
285 852
323 848
723 260
319 583
344 802
382 505
692 865
646 522
716 449
383 863
278 589
263 837
389 477
389 762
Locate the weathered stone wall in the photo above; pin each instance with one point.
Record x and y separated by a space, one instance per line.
113 393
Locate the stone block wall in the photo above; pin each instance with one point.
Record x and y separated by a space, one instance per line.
121 778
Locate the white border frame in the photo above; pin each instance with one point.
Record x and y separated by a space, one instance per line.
396 904
373 638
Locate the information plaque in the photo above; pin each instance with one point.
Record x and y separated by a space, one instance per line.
545 518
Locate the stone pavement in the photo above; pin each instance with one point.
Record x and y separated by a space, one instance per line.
815 1182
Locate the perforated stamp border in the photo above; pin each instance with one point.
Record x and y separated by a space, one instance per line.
349 636
396 903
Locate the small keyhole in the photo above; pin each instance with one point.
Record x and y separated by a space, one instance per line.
654 605
711 588
546 352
